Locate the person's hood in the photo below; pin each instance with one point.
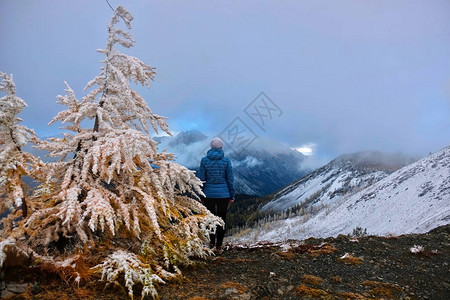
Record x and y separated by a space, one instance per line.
215 154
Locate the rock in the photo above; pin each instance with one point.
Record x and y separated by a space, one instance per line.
246 296
17 287
230 291
7 294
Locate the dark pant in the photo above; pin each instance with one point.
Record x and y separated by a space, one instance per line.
218 206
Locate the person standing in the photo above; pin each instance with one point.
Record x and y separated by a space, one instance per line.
218 186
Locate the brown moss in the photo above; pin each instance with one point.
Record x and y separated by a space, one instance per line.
336 279
243 260
303 290
311 279
230 284
382 289
82 293
426 253
286 254
52 295
348 295
314 250
351 260
325 249
222 260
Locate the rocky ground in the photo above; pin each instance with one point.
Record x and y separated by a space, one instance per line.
404 267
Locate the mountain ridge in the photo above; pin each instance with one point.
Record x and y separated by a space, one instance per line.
413 199
342 176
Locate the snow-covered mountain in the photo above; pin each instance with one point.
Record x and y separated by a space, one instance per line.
261 172
261 169
414 199
341 177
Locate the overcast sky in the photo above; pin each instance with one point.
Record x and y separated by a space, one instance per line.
344 76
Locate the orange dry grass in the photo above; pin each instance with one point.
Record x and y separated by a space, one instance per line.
52 295
83 293
336 279
347 295
303 290
382 289
311 279
229 284
351 260
243 260
56 290
198 298
326 249
314 250
286 255
221 260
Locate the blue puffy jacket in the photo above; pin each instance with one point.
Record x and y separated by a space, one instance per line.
216 171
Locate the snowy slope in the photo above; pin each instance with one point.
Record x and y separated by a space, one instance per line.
341 177
414 199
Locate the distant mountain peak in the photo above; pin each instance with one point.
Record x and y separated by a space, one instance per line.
375 160
187 137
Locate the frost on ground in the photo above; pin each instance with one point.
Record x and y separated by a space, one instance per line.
416 249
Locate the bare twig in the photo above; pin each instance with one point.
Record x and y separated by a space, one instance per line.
110 5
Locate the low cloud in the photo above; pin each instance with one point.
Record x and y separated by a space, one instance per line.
248 162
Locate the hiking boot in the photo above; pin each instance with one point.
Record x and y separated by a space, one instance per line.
219 250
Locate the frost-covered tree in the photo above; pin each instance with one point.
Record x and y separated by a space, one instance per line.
113 196
14 162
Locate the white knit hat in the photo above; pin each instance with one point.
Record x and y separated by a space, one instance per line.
216 143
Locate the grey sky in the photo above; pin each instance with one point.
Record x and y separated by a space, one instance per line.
348 75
